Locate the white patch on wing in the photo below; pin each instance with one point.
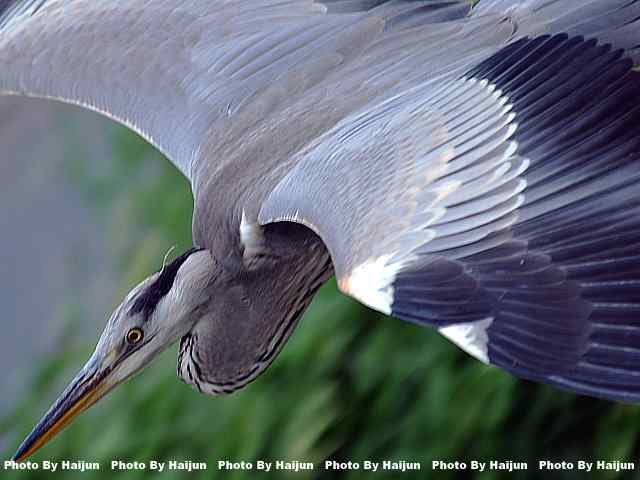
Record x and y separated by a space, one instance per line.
372 282
471 337
251 237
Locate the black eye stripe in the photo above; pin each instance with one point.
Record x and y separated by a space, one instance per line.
149 298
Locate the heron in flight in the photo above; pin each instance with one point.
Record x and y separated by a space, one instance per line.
471 168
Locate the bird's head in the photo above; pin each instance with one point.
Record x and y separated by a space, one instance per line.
155 314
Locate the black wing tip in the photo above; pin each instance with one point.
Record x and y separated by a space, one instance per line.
438 292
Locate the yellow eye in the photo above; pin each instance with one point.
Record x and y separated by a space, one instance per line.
134 335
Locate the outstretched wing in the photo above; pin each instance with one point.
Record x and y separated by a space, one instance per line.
403 174
500 207
152 66
175 70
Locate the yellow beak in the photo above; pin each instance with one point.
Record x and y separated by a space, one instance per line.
85 390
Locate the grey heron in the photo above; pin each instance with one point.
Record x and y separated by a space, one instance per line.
474 169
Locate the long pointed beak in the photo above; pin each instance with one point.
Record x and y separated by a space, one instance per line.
84 390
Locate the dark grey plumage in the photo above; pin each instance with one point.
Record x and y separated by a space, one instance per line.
254 313
470 169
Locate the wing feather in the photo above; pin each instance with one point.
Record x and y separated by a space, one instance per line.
524 250
612 21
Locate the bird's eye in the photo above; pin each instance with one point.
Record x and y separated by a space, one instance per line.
134 335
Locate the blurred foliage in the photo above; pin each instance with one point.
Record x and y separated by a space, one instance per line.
349 385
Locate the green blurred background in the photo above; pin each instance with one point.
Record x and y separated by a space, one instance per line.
349 385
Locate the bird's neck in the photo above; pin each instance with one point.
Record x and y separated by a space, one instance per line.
255 314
